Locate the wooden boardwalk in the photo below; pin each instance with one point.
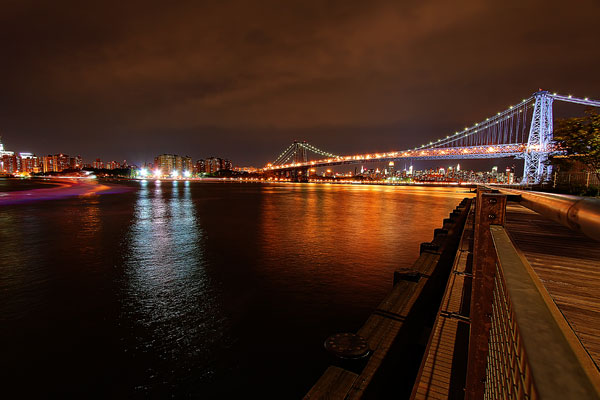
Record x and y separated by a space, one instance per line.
568 264
443 369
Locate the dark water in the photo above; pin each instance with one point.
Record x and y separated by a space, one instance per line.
198 289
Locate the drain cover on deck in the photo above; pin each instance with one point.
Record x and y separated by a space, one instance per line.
347 345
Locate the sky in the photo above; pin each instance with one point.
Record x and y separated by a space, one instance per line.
243 79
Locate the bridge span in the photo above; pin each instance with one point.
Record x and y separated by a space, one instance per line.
523 131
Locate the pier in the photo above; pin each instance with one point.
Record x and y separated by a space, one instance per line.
502 303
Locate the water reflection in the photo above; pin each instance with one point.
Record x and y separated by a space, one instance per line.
169 300
344 242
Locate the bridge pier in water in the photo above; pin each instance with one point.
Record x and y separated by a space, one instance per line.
494 295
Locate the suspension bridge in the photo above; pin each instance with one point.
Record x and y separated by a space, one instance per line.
523 131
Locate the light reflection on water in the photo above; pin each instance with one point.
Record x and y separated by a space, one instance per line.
168 295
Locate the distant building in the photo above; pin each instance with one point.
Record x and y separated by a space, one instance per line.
212 165
48 164
29 162
55 163
76 162
187 164
98 164
4 152
10 164
165 162
199 167
112 165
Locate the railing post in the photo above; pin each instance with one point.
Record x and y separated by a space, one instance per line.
490 210
587 181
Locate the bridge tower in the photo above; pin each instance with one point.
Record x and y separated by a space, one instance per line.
300 152
540 140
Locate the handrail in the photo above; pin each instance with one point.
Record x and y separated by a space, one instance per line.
580 214
528 327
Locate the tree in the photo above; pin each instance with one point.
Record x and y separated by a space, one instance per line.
580 137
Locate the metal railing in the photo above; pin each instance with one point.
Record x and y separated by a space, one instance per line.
520 345
580 214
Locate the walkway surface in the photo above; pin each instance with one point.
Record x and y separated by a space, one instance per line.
568 264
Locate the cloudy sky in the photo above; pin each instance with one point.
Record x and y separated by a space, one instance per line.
242 79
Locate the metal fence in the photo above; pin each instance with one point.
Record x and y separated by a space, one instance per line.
584 178
520 346
508 373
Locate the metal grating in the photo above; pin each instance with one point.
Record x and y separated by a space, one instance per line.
508 375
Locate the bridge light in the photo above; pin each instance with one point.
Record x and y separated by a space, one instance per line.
510 107
586 99
554 93
477 123
570 96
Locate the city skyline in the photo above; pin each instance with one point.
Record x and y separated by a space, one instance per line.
128 81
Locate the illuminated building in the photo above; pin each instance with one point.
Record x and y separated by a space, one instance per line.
61 161
10 163
29 162
187 164
4 152
48 164
98 164
76 162
212 164
510 175
165 162
199 168
55 163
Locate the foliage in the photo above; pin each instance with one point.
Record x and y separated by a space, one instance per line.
580 137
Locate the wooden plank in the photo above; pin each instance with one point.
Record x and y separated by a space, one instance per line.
334 384
435 377
568 264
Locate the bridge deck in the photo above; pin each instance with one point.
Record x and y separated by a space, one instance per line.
568 264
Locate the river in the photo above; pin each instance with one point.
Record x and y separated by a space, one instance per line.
187 289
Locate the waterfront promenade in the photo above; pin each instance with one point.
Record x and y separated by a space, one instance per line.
519 316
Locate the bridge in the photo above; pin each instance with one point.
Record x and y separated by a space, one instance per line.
523 131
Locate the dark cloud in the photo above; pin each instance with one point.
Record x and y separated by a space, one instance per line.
130 79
